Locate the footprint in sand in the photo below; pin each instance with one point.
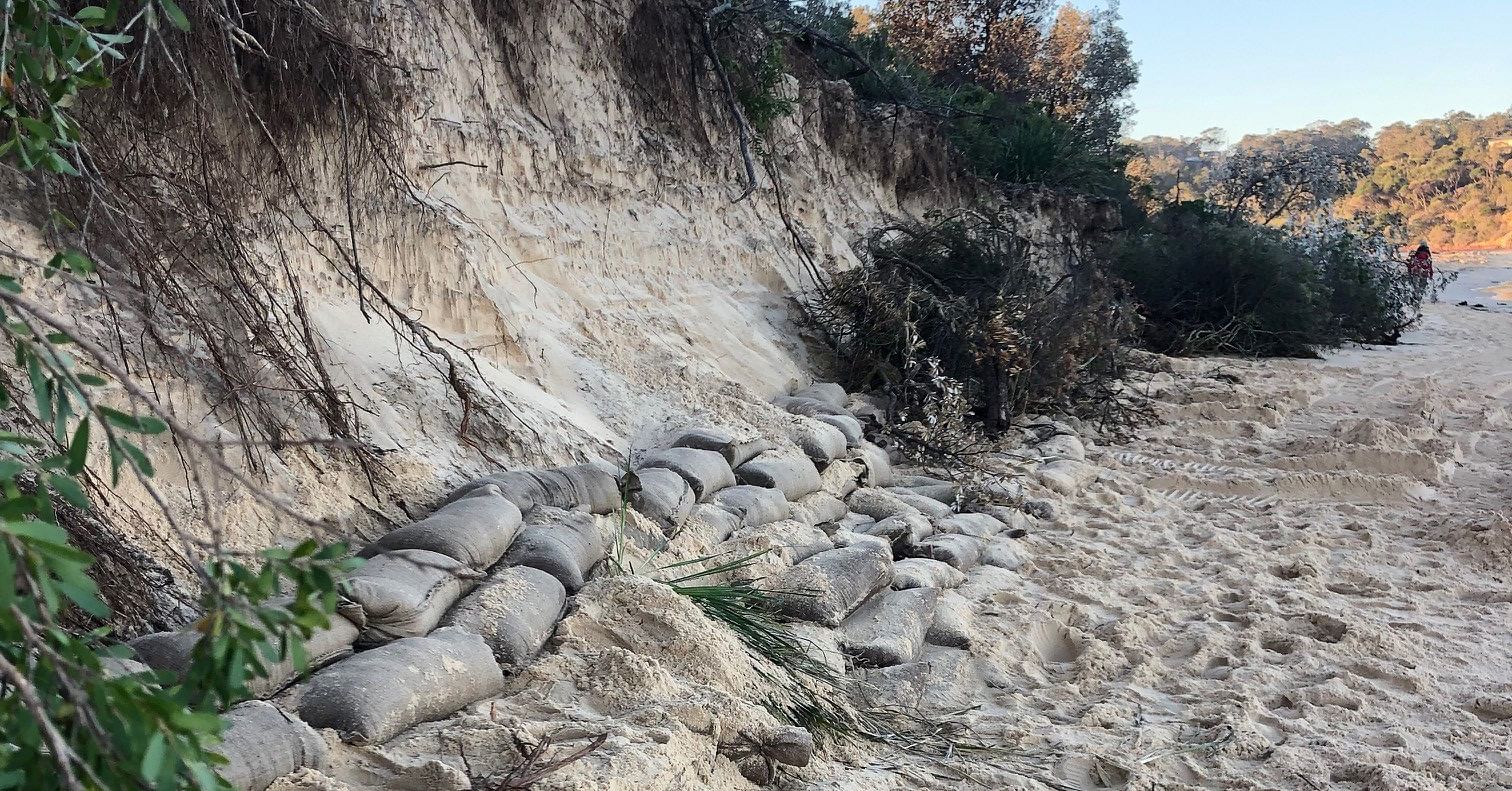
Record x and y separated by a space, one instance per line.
1054 642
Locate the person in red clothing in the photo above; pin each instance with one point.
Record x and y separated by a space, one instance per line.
1421 262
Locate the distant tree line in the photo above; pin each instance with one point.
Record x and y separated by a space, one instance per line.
1446 180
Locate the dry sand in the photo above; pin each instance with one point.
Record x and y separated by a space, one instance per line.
1299 581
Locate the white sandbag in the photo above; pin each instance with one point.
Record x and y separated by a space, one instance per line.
793 475
962 552
371 697
717 522
735 451
403 593
819 508
975 525
565 544
705 470
925 573
903 532
1066 478
878 465
889 628
808 407
120 667
591 486
830 585
262 743
848 426
849 538
170 652
946 493
662 496
754 505
819 441
879 504
515 611
919 480
1005 553
474 529
1062 447
927 506
840 478
854 521
1012 519
825 392
954 622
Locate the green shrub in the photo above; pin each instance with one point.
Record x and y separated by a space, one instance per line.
953 320
1208 286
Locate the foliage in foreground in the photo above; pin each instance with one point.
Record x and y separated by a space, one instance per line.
70 718
951 316
1206 285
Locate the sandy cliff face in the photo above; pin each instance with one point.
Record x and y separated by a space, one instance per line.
565 211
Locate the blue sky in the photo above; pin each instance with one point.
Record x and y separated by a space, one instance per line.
1257 65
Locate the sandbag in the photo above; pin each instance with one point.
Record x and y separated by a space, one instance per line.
704 470
975 525
793 475
120 667
919 480
821 442
878 465
1012 519
719 522
925 573
754 505
819 508
662 496
1066 477
474 529
591 486
515 610
903 532
943 492
927 506
830 585
848 427
736 452
169 652
370 697
840 478
854 521
564 544
262 743
1062 446
847 538
879 504
953 625
1005 554
825 392
962 552
890 628
808 407
403 593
